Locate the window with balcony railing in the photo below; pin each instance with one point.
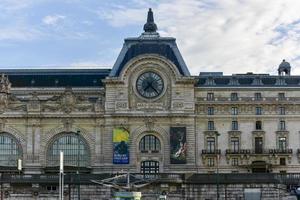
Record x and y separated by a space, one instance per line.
282 143
235 144
211 144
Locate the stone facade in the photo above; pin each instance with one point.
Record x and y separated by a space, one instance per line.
241 123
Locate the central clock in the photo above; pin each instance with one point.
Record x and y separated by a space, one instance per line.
149 85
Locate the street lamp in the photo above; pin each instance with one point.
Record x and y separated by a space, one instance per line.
217 134
78 164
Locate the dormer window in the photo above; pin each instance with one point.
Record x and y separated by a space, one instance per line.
280 81
233 81
257 81
210 81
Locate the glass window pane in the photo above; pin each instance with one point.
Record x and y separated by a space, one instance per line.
10 151
75 150
149 143
149 167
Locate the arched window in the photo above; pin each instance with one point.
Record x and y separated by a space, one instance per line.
10 150
76 151
149 143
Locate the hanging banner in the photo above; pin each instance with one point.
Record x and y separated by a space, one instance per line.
178 145
121 149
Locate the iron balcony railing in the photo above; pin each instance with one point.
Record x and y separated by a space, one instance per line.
281 151
259 151
211 151
238 151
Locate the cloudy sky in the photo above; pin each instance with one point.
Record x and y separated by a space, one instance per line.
233 36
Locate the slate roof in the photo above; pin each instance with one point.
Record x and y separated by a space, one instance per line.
56 77
247 80
150 43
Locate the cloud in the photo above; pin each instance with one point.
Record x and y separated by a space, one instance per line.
53 19
19 34
13 5
232 36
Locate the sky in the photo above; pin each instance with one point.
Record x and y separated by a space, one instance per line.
230 36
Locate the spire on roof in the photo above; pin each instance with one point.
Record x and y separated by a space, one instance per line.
150 26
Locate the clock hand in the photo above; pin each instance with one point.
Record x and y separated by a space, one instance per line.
155 90
146 88
149 85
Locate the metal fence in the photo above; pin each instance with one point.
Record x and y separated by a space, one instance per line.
288 178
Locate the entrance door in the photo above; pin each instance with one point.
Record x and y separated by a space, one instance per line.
258 145
259 167
150 167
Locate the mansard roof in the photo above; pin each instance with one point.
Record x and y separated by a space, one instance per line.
150 42
217 79
56 77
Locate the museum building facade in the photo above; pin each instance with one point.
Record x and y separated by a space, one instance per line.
148 114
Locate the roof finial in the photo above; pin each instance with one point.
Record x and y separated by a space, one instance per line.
150 26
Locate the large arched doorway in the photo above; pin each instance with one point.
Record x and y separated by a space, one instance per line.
10 150
75 148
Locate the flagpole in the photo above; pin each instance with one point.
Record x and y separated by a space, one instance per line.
61 175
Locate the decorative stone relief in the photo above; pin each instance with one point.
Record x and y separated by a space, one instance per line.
34 103
149 123
5 85
2 124
67 103
67 123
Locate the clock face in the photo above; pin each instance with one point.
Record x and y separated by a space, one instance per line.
149 85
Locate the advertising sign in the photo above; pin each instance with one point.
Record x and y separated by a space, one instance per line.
178 145
121 149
